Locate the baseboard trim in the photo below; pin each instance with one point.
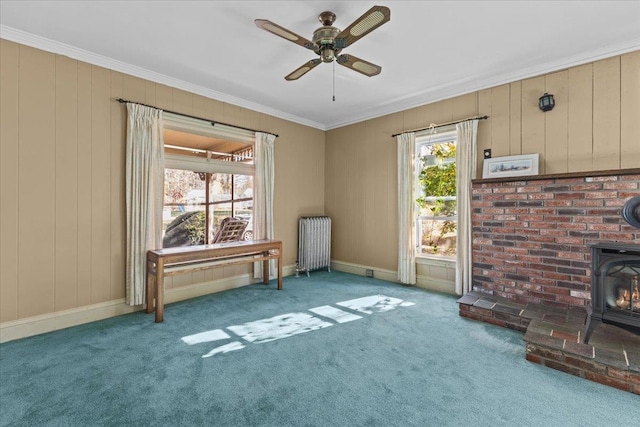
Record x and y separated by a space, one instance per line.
361 270
41 324
424 282
36 325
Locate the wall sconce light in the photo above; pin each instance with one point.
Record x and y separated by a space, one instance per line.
546 102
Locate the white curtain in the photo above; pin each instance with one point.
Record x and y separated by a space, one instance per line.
406 208
144 193
263 195
466 171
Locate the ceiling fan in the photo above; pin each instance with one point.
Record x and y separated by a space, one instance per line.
328 41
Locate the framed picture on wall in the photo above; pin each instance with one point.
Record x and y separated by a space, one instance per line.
501 167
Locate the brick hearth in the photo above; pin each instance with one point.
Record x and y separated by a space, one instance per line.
532 267
553 339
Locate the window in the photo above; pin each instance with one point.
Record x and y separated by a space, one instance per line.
436 221
208 177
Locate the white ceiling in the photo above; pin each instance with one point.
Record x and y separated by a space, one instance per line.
430 50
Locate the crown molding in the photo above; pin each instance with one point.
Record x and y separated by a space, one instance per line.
465 86
428 96
43 43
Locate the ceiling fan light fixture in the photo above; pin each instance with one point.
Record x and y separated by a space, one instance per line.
367 23
327 54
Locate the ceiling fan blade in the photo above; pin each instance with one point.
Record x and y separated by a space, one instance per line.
372 19
302 70
360 65
284 33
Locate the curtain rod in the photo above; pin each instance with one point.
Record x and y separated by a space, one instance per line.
434 126
213 123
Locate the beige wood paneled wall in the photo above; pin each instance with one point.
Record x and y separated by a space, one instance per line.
594 126
62 165
62 156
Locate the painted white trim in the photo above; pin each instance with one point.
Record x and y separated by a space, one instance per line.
461 87
361 270
428 96
200 164
423 282
288 270
207 128
436 261
37 325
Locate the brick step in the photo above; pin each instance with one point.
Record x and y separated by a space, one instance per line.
553 338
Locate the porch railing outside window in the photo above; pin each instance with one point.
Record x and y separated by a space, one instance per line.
196 203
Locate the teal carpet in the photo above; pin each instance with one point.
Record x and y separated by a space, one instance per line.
396 365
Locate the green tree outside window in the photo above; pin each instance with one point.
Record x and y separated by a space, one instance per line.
437 180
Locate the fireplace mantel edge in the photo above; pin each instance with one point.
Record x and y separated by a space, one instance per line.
611 172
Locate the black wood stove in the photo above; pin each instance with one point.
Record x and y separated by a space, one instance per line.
615 283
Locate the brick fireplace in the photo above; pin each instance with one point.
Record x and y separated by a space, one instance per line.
532 241
532 237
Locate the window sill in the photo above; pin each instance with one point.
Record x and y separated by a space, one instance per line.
433 260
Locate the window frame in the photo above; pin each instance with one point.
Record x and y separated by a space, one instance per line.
430 137
209 165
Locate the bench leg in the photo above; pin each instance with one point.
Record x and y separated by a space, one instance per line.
265 270
151 285
159 291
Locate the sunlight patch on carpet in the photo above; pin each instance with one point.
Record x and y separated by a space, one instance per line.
336 314
207 336
374 304
278 327
290 324
232 346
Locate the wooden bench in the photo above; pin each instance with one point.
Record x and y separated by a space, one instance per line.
171 261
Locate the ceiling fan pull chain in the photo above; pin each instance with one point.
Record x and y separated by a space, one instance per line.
334 81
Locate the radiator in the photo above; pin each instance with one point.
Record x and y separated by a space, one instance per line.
314 243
